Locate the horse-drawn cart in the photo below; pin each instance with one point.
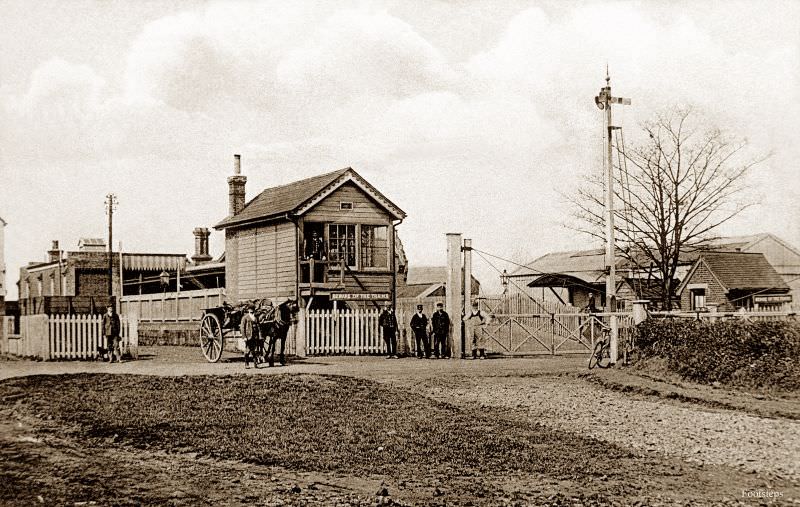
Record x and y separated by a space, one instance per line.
224 321
212 332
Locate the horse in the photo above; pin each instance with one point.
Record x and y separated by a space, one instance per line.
277 327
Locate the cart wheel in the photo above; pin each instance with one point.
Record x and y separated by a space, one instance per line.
211 340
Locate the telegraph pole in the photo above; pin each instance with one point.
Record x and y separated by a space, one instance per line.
604 101
111 202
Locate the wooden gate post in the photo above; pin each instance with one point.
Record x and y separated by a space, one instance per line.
453 294
300 333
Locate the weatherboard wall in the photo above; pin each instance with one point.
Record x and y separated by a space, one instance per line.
260 261
365 209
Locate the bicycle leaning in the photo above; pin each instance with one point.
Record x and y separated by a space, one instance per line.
601 354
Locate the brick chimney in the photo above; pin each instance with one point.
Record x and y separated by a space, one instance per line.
236 185
54 254
200 245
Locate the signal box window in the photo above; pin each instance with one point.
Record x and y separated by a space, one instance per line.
374 246
342 243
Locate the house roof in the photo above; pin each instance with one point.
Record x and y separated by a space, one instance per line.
418 275
645 288
585 265
298 197
91 242
422 281
740 271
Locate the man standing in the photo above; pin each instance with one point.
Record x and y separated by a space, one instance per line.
473 329
111 328
441 327
419 324
315 249
388 323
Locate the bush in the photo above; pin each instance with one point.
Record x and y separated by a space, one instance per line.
734 352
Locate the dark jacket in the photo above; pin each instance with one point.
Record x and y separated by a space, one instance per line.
419 321
440 322
248 327
111 325
387 319
315 249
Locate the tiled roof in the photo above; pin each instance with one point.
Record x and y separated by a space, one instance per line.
276 201
646 288
743 271
283 199
412 291
583 261
418 275
91 242
587 265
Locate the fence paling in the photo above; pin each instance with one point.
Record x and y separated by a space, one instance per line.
342 332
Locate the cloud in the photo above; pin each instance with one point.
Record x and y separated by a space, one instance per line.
473 139
358 53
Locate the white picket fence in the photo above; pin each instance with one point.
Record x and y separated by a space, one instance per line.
343 332
80 336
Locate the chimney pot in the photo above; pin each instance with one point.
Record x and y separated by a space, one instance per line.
200 245
236 187
54 254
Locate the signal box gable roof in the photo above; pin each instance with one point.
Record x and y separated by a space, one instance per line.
298 197
740 271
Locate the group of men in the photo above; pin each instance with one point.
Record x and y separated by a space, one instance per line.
423 333
437 328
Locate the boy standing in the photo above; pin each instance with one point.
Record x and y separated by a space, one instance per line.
111 328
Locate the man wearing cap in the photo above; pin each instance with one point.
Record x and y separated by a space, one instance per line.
388 323
440 322
111 327
419 324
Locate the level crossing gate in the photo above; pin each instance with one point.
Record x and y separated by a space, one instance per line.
518 324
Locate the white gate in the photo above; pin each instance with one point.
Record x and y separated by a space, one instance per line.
343 332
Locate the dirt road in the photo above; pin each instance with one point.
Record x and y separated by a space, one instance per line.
729 450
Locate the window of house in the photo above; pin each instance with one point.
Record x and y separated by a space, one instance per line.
697 298
342 243
52 285
374 246
345 205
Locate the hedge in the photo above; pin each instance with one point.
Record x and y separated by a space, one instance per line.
735 352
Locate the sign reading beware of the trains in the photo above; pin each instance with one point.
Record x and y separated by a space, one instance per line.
360 296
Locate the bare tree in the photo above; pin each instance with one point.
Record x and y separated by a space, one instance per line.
671 192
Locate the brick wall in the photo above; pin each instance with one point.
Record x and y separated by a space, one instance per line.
86 274
715 294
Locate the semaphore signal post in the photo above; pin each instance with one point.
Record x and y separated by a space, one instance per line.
604 101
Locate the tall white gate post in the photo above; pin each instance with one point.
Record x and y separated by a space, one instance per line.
300 333
453 294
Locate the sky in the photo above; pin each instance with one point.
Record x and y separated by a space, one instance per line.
473 117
